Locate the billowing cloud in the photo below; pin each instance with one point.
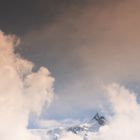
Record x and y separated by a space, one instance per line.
22 91
126 110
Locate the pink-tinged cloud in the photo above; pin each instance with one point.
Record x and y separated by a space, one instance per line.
22 91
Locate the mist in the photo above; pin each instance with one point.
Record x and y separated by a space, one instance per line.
85 46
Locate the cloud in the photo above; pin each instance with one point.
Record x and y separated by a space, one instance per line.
22 91
123 124
49 124
70 136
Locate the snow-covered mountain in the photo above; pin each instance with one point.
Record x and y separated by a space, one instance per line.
81 129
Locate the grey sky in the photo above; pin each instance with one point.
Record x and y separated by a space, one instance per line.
82 42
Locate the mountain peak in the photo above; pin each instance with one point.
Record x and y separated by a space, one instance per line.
82 129
100 119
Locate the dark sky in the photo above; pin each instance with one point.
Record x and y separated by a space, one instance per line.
21 16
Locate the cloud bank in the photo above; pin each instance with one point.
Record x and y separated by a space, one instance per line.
22 91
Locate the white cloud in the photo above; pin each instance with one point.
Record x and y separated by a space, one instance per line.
70 136
22 91
125 122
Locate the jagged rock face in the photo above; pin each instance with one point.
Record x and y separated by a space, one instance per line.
92 125
76 129
100 119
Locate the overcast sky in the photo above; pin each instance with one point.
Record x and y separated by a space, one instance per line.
84 43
